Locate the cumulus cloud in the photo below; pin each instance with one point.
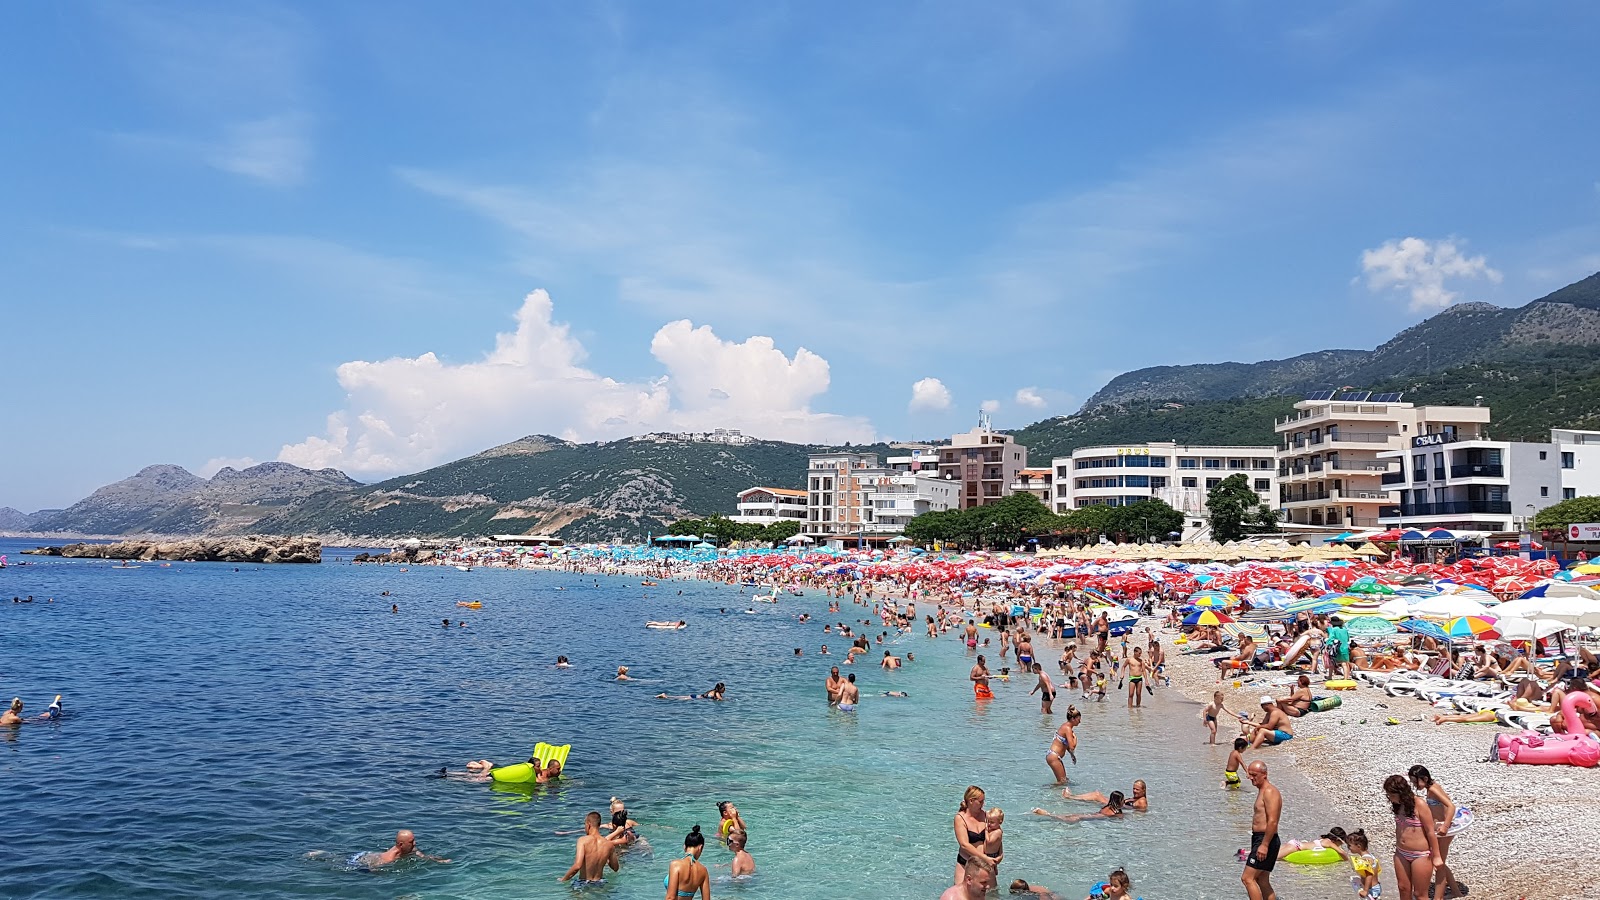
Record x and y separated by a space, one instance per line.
410 412
990 406
929 395
216 464
1031 398
1421 268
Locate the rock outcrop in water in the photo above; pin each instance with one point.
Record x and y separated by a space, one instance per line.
231 549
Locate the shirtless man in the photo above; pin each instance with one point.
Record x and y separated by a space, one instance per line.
405 847
1274 729
1139 801
1136 673
971 635
979 677
834 684
977 880
593 855
1046 686
890 661
849 694
622 674
1264 841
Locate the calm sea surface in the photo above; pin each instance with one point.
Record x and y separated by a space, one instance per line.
223 723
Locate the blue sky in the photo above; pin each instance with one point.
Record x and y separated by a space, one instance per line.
380 236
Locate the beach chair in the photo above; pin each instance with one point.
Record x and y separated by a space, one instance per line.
1527 721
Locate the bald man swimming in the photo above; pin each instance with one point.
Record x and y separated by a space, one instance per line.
405 847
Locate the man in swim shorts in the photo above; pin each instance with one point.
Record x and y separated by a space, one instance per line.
1274 728
980 679
849 694
833 685
1136 673
593 854
1264 842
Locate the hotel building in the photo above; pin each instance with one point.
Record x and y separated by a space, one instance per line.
1179 475
766 505
984 463
851 498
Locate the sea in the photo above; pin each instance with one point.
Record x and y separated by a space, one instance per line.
243 730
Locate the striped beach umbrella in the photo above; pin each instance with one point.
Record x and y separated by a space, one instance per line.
1207 617
1239 629
1211 601
1471 628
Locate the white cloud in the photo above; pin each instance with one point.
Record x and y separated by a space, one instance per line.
990 406
1422 267
216 464
1031 398
410 412
929 395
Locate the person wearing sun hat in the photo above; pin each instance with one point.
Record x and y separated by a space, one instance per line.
1274 728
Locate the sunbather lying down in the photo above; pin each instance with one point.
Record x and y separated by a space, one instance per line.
1487 715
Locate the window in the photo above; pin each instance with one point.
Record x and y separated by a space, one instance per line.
1263 464
1544 490
1263 485
1158 462
1213 463
1138 481
1543 455
1211 483
1236 464
1569 493
1566 460
1188 464
1158 482
1190 482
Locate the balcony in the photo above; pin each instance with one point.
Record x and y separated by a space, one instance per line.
1302 496
1394 478
1359 465
1481 470
1360 437
1449 508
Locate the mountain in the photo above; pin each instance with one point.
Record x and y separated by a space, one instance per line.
1534 365
1463 334
620 489
13 521
170 500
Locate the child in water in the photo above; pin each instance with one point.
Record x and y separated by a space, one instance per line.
1365 880
1230 769
743 863
994 838
1115 887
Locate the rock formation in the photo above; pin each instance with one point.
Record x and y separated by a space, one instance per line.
225 549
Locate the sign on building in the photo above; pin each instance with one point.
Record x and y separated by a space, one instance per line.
1586 531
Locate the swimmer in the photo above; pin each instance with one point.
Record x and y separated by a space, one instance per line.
622 673
849 694
890 661
405 847
551 771
394 607
731 820
1139 802
1021 886
743 863
1115 887
1111 810
687 876
895 694
1230 769
592 855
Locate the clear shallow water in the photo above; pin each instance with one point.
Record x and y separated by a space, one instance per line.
223 724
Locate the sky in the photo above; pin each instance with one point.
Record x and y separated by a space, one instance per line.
380 236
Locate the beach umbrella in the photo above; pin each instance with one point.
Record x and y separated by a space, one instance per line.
1471 628
1421 626
1239 629
1449 606
1513 628
1270 596
1210 601
1513 545
1207 617
1370 627
1412 536
1585 569
1440 534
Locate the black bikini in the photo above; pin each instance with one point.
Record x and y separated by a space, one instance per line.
975 838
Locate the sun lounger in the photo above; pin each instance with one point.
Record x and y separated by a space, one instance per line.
1527 721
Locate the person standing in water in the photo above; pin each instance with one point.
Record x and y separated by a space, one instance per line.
1045 688
743 863
688 876
972 829
833 685
1264 841
1064 744
849 695
1136 674
592 856
979 676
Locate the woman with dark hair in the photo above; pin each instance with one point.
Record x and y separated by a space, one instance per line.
1065 743
1416 845
1111 810
1449 821
687 876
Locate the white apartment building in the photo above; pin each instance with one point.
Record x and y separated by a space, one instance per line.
1176 474
766 505
894 500
851 498
1459 480
1337 454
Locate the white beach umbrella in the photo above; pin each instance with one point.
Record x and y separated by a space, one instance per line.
1399 607
1449 606
1578 611
1512 628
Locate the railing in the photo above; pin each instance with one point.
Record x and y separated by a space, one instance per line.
1314 467
1454 507
1358 466
1360 437
1438 473
1486 470
1362 495
1302 496
1394 478
1337 409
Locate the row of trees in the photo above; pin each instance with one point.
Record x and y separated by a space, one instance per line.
1568 512
721 530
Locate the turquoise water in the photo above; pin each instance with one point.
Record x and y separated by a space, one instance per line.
223 724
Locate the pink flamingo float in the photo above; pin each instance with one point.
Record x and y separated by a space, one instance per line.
1575 748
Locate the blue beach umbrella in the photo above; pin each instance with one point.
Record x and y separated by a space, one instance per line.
1421 626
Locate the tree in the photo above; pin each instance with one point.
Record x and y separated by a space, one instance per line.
779 531
1568 512
1146 520
1236 510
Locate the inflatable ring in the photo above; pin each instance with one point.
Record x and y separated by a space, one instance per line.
1341 684
1320 856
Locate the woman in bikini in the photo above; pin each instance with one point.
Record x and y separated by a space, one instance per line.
1064 744
972 831
688 876
1416 845
1449 820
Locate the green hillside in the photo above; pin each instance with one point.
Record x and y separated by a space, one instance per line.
1246 422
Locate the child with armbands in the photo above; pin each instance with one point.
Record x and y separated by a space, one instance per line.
1365 880
1115 887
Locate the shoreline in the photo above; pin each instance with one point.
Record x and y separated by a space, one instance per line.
1522 841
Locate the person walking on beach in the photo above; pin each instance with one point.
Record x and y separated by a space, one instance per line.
1064 744
1448 821
972 829
1338 647
592 855
1416 843
1264 841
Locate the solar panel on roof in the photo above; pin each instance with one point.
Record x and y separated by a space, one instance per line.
1320 395
1386 398
1356 396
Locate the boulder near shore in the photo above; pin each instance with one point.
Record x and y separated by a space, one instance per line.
225 549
